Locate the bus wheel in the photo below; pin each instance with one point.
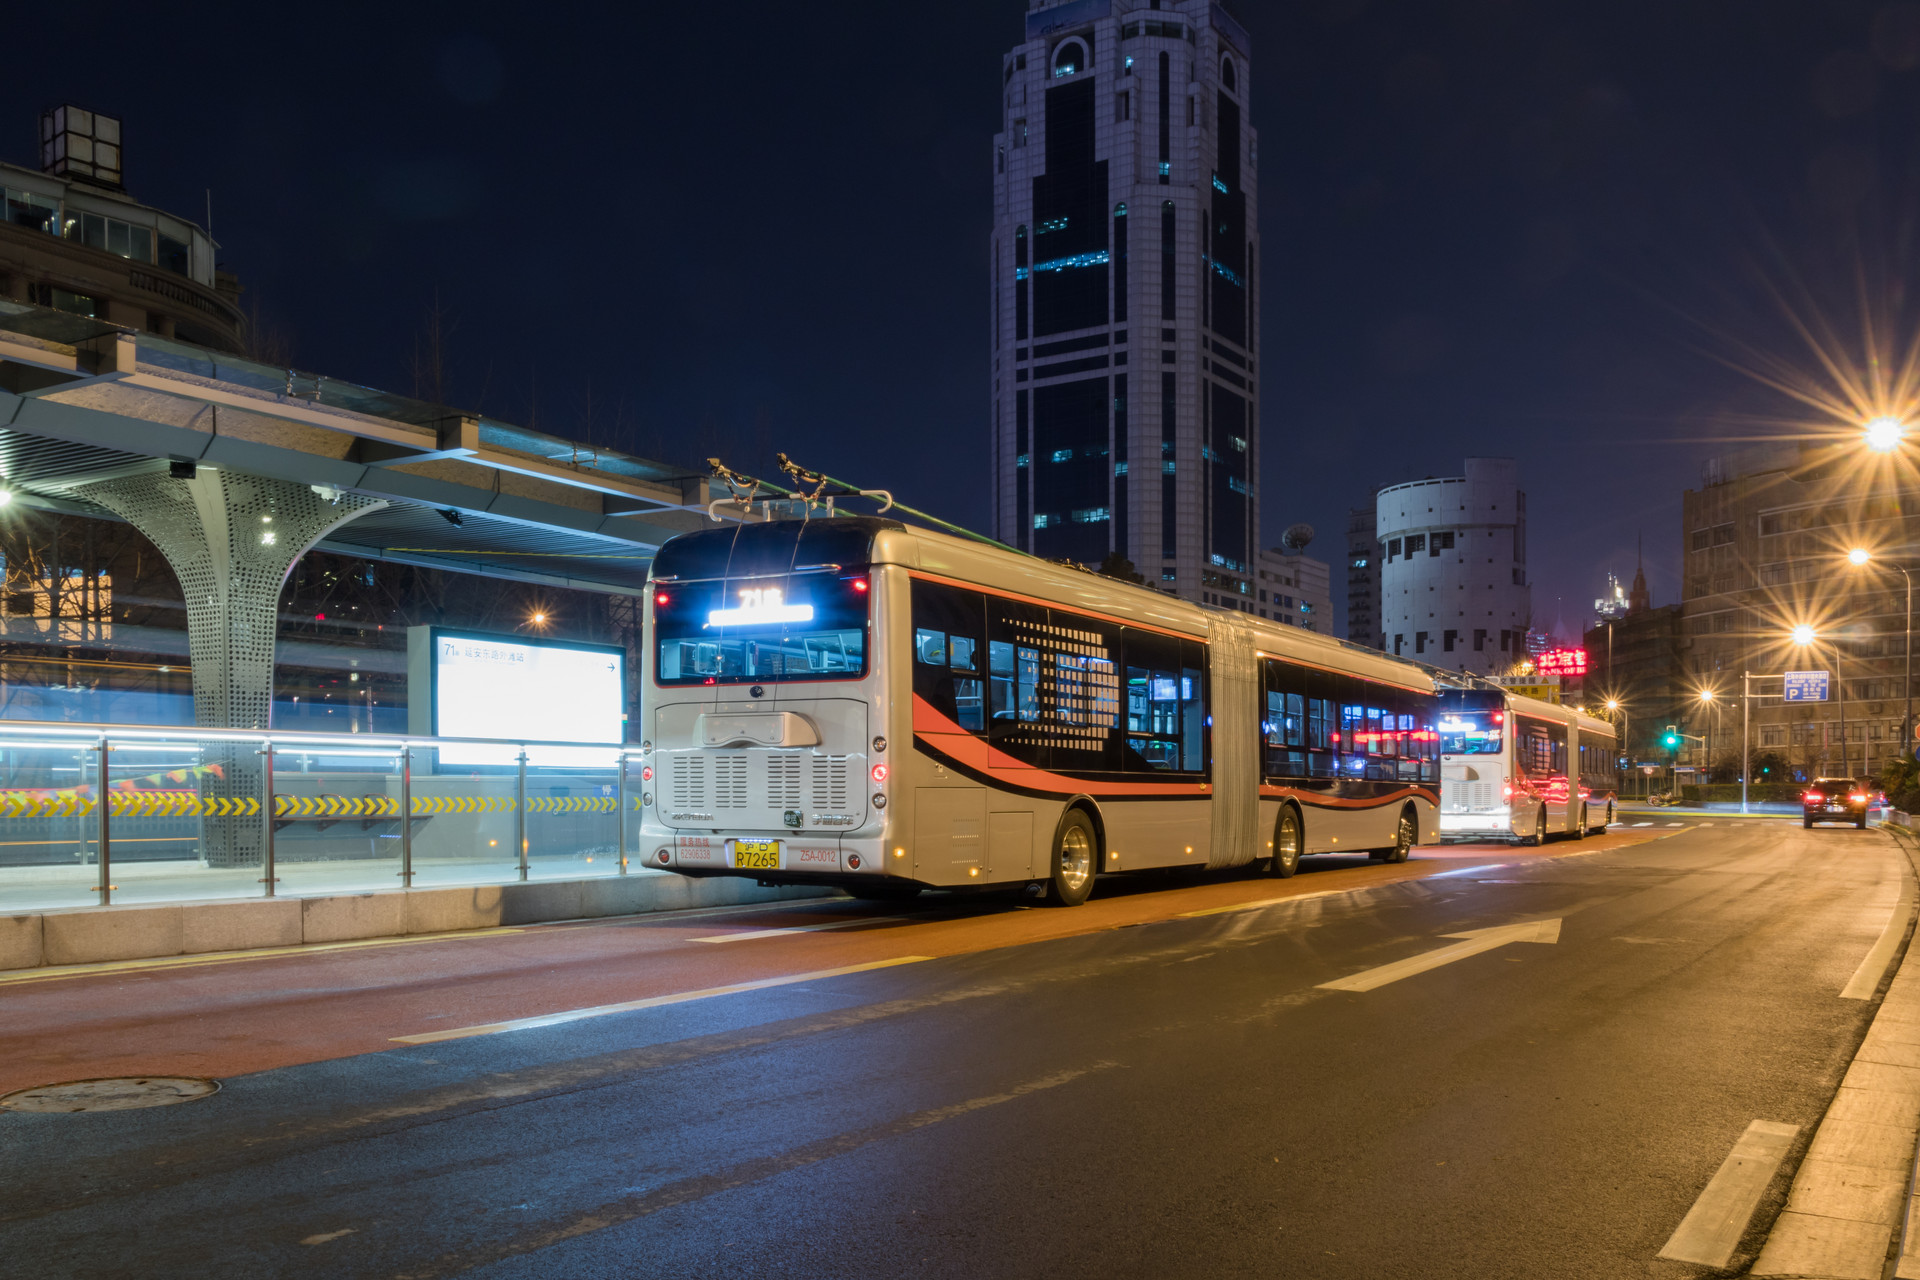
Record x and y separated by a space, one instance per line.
1539 830
1580 830
1287 842
1404 836
1073 857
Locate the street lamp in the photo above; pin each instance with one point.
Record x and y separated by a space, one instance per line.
1884 434
1619 716
1804 636
1859 557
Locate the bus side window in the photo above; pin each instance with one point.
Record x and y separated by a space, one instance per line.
1000 675
1193 711
947 627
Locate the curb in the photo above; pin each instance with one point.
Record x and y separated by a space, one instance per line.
1852 1205
97 935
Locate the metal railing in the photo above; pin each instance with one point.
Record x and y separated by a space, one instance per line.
94 814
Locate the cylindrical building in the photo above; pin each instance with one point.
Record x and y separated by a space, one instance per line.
1453 568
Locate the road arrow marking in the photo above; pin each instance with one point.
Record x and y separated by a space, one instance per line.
1478 940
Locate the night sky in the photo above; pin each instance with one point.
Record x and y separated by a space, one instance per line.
1489 227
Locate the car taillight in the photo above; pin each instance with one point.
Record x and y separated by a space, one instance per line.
1813 797
1856 799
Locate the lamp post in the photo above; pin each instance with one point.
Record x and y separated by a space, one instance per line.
1859 557
1708 704
1803 636
1619 713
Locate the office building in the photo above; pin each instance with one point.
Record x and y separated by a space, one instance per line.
1363 578
1453 568
1764 550
1124 293
1294 588
74 240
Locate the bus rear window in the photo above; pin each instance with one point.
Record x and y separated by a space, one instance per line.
810 626
1470 733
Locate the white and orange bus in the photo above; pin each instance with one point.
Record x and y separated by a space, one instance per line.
1515 768
852 702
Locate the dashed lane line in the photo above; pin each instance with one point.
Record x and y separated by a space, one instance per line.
651 1002
783 931
1711 1231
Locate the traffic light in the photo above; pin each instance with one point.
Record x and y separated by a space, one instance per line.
1672 740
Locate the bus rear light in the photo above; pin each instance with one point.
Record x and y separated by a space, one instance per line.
660 598
663 857
1506 791
646 773
879 774
859 584
853 862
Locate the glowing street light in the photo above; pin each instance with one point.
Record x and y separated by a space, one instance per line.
1859 556
1706 695
1884 434
1803 635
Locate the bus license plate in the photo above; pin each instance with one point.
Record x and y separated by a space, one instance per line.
756 855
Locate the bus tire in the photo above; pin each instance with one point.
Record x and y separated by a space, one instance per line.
1580 828
1404 837
1289 838
1076 851
1539 836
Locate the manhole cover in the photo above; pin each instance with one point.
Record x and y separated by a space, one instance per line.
124 1093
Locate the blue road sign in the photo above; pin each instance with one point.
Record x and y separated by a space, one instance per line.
1805 686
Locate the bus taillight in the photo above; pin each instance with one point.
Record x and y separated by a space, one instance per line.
879 774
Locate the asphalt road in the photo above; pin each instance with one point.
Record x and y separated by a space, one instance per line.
1154 1085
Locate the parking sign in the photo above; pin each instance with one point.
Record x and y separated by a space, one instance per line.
1805 686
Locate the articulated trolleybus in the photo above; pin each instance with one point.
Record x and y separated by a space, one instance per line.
1515 768
851 702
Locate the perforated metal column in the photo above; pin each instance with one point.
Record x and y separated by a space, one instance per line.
231 539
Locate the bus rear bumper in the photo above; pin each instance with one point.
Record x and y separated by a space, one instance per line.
1468 826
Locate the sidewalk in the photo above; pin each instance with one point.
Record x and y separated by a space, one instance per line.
1852 1209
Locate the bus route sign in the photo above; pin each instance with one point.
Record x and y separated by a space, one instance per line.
1804 686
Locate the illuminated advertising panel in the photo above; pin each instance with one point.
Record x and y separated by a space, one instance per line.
1561 662
490 686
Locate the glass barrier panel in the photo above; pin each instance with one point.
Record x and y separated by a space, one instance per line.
572 822
185 822
463 821
336 826
48 824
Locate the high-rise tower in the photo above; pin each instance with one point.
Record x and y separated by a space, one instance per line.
1125 304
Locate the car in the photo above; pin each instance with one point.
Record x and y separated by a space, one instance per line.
1835 800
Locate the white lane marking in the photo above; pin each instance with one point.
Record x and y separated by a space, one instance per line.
1464 871
1709 1233
1866 979
783 931
1478 940
325 1236
651 1002
1703 824
1639 824
1676 824
1269 902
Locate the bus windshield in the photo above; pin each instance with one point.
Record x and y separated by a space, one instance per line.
803 626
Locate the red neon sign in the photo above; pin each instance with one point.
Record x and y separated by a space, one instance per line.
1562 662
